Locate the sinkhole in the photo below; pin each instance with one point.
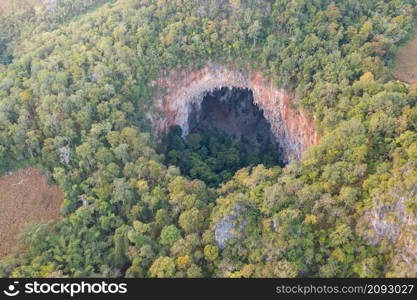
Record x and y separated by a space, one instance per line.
226 131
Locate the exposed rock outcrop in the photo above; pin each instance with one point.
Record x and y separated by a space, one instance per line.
181 89
399 226
388 221
229 226
393 219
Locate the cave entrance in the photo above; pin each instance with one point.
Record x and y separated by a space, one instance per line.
226 131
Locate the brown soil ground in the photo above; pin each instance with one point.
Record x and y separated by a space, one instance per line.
405 68
25 197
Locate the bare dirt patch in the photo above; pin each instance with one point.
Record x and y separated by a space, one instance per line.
405 68
25 197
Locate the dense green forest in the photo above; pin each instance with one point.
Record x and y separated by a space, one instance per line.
213 156
74 97
20 19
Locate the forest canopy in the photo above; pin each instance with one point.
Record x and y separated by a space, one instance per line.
75 94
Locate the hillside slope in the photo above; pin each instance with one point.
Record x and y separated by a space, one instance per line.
77 100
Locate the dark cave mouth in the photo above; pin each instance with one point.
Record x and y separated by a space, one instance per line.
226 132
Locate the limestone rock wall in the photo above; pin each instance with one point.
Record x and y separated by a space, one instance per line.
177 91
396 224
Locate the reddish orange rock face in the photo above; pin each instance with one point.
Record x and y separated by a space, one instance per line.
181 89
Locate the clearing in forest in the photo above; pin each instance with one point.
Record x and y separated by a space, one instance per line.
405 68
25 197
